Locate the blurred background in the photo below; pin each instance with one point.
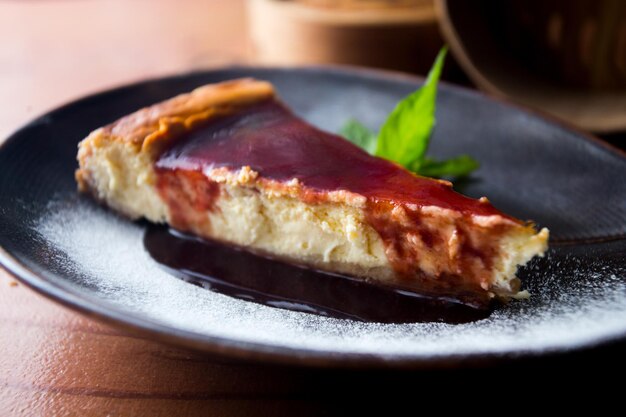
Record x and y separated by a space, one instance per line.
565 58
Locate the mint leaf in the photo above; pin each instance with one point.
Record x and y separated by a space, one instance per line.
405 135
360 135
459 166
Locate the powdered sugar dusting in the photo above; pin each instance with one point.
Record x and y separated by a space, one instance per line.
107 253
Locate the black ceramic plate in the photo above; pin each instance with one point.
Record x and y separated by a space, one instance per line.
77 253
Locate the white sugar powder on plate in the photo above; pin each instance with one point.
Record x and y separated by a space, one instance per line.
107 254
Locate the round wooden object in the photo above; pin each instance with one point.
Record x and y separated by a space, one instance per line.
400 35
563 71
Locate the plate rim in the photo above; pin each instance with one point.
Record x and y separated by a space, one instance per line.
267 353
264 352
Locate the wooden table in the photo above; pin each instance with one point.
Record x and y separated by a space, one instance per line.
56 362
53 51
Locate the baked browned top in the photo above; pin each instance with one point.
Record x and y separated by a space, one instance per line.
151 125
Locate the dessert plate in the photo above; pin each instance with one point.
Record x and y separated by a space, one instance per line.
86 257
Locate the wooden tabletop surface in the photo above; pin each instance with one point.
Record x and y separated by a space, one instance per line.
54 361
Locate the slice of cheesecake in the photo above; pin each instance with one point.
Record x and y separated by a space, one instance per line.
230 162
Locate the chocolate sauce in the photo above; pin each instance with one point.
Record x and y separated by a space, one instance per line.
241 274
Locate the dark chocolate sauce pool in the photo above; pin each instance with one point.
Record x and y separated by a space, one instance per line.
242 274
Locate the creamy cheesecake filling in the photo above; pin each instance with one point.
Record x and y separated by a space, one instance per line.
229 162
430 233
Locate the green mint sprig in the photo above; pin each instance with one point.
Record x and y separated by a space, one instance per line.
405 135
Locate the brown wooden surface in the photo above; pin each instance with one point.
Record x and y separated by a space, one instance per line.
55 362
53 51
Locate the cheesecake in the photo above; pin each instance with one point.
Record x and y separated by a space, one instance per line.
231 163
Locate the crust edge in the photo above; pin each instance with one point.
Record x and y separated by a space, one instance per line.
151 128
